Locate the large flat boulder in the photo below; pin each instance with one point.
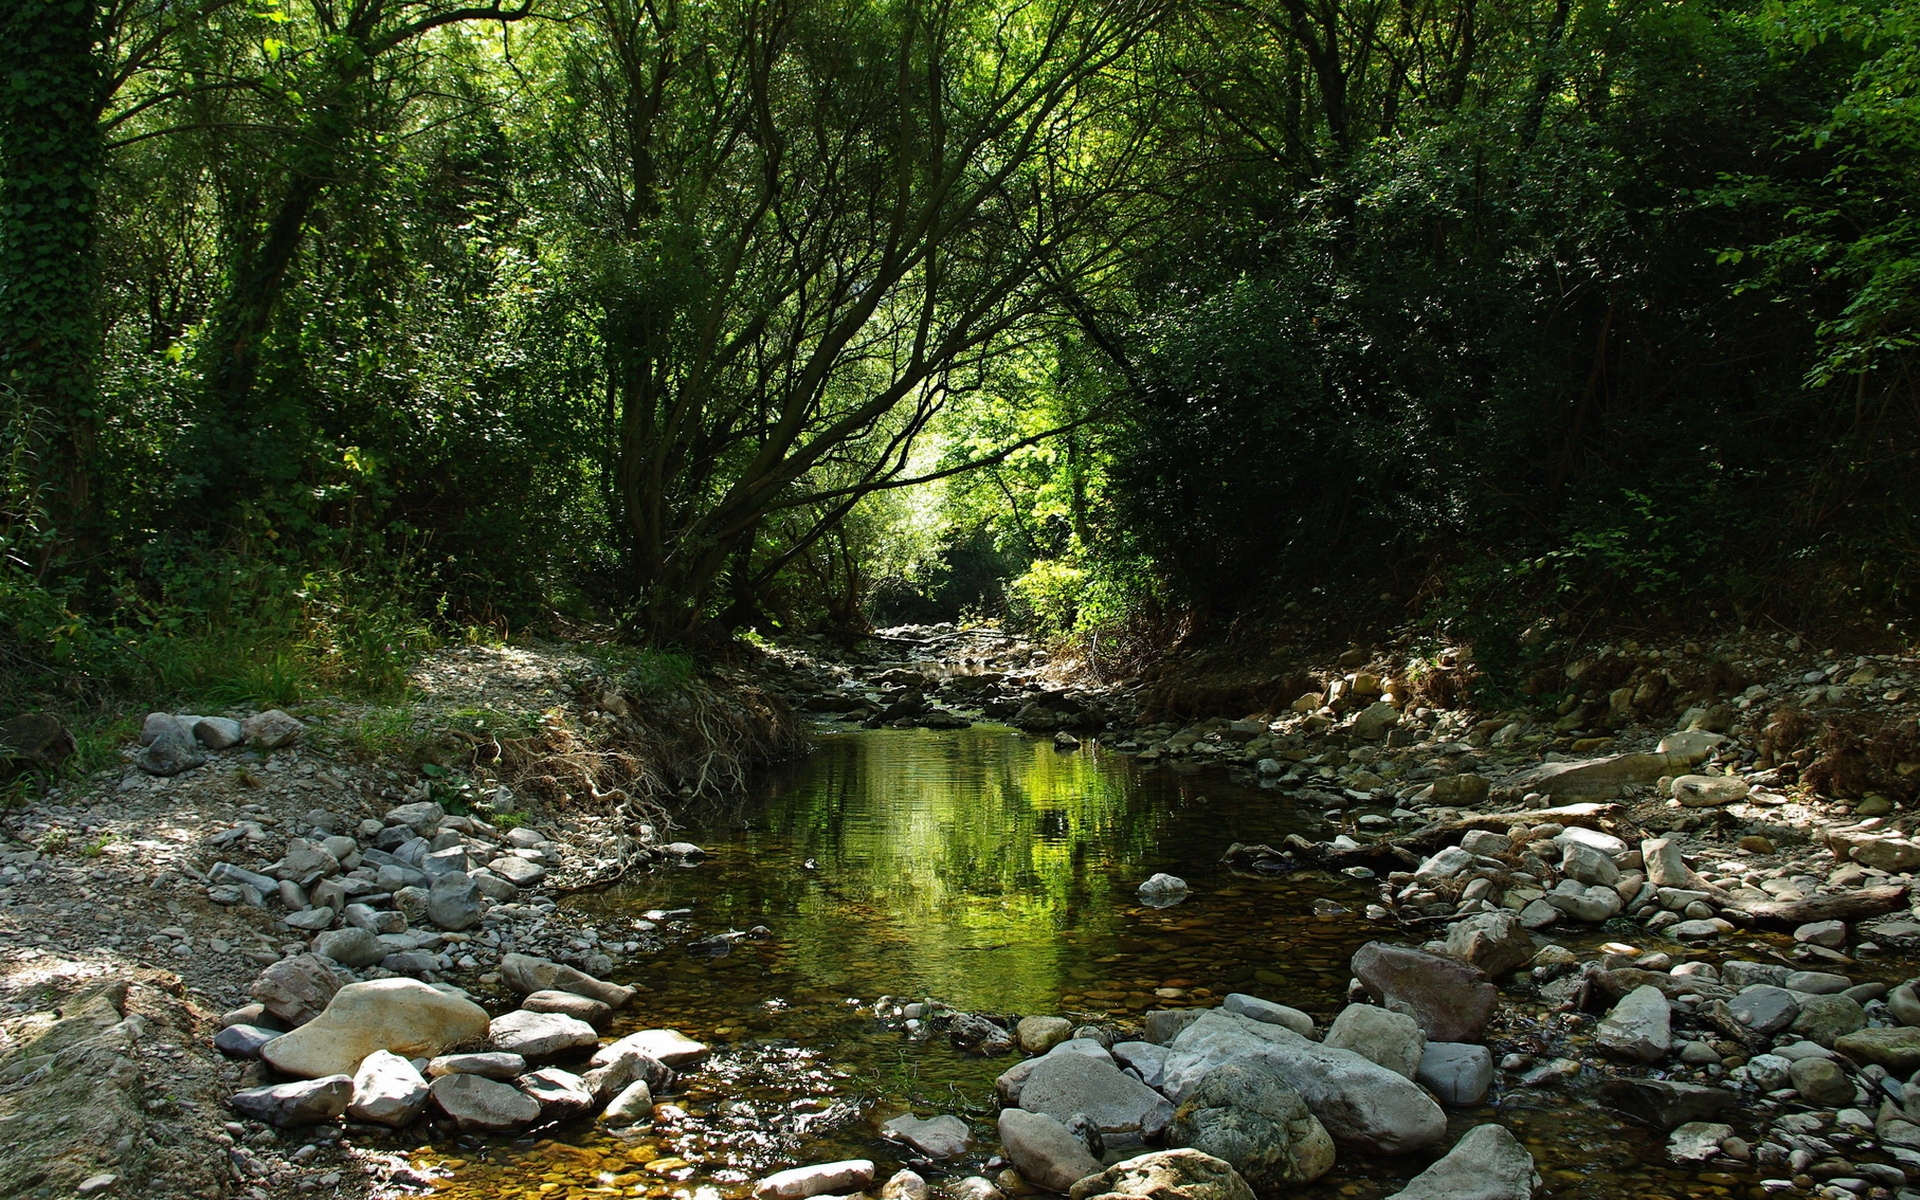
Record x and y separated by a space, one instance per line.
1358 1101
540 1035
1896 1049
1590 779
1065 1085
404 1016
481 1105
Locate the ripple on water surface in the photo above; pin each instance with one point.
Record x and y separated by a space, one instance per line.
989 871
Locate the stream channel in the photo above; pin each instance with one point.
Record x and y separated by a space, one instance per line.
987 870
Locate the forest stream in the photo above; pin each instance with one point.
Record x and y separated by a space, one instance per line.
993 873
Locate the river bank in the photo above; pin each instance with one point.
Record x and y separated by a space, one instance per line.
1374 760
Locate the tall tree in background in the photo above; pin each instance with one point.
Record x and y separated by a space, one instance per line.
319 97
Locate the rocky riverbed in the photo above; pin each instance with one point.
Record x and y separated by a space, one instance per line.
1690 880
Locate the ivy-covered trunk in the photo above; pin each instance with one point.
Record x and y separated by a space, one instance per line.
50 155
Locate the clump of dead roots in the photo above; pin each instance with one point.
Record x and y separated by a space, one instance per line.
620 763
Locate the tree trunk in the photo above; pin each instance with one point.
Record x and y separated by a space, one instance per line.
50 159
227 448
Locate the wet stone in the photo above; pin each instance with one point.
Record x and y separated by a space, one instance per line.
1458 1073
938 1137
302 1102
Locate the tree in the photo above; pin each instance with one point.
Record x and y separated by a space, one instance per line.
51 88
804 228
313 91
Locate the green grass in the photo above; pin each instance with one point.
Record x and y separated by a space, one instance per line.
485 722
648 672
399 731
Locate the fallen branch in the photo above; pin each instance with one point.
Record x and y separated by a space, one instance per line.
1415 848
1845 906
1429 838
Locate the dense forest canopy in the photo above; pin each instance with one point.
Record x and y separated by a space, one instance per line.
354 319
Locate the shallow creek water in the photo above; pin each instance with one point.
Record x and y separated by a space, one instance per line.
989 871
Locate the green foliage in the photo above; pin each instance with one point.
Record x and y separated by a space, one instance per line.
388 733
327 333
656 674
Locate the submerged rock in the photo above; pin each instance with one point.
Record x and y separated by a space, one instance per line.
818 1179
1163 891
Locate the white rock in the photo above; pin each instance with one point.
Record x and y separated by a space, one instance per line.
538 1035
1588 865
633 1105
1391 1039
668 1046
1444 865
1696 1142
387 1090
1665 867
851 1175
1640 1027
1357 1100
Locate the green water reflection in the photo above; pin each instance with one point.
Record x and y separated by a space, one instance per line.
950 866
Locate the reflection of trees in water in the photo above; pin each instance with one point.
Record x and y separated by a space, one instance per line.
955 860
